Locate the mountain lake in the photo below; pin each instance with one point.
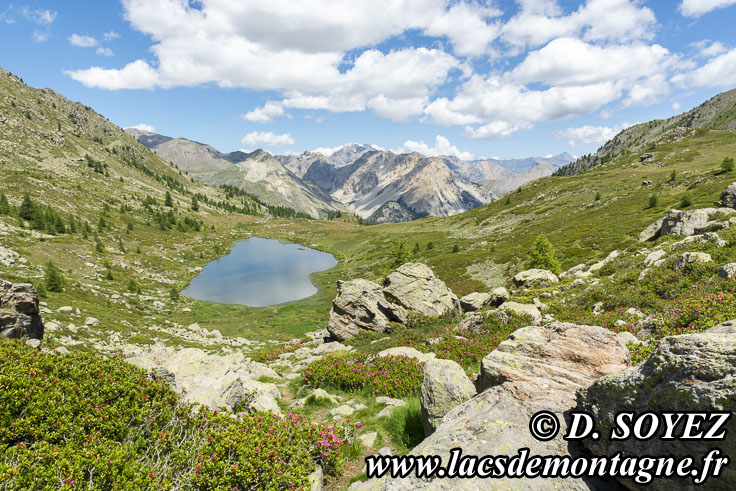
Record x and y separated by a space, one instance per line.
260 272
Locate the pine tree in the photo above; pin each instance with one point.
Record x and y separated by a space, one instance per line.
168 201
121 246
727 164
417 249
174 294
430 245
400 253
53 279
455 249
27 209
542 255
195 203
98 245
508 200
132 286
4 205
101 224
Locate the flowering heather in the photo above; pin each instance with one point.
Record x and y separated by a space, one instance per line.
270 354
392 376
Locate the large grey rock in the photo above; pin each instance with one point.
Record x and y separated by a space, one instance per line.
559 359
360 304
682 222
498 296
415 287
727 271
653 257
728 196
221 382
444 386
535 277
690 372
554 352
727 327
523 309
20 317
474 301
692 258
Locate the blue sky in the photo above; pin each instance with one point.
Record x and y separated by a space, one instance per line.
459 77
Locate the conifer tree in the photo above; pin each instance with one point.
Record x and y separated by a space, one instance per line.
168 201
53 279
400 253
4 205
27 208
542 255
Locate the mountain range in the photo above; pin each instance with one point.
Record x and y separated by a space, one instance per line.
377 185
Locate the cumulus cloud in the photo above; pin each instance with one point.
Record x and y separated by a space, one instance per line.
41 17
696 8
708 49
442 147
266 114
717 72
135 75
267 139
589 135
142 127
104 51
82 41
110 35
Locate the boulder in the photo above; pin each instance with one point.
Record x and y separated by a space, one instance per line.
523 309
532 353
545 367
498 296
727 327
689 372
408 352
653 257
599 265
535 277
474 301
415 287
682 222
360 304
692 258
8 257
445 385
368 439
727 271
728 196
20 316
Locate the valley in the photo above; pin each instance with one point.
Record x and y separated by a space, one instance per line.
109 233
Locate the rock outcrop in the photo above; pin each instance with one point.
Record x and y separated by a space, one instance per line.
539 368
535 277
20 316
415 287
683 222
524 309
690 372
728 196
444 386
474 301
687 258
220 382
360 304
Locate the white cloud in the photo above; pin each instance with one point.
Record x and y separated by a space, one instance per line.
718 72
696 8
135 75
676 106
104 51
40 36
708 49
589 135
442 147
110 35
143 127
495 129
266 114
82 41
38 16
267 139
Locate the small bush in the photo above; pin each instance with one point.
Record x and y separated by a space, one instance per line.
727 164
653 201
685 201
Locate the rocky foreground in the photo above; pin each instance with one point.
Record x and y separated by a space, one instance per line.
633 361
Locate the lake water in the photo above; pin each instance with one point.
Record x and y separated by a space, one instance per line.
260 272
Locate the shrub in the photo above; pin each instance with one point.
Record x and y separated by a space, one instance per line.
542 255
653 201
597 196
455 249
391 376
72 420
685 201
727 164
400 253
